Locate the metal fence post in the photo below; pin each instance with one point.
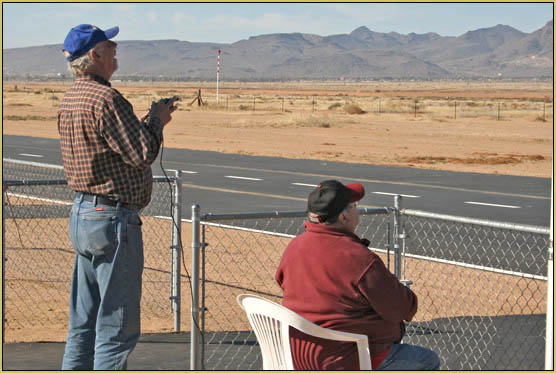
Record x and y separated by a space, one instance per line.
396 240
203 304
549 338
195 254
176 251
3 263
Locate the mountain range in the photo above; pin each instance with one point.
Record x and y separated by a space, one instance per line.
499 51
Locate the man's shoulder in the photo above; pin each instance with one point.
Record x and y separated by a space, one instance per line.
94 87
345 244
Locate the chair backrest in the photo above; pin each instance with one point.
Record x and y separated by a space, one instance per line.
271 323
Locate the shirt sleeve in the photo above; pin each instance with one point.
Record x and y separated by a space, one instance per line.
386 294
137 143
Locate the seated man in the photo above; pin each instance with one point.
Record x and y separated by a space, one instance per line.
330 277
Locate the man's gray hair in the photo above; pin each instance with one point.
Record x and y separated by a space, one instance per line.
82 64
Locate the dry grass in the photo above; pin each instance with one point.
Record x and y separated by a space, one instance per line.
309 121
478 158
437 125
354 109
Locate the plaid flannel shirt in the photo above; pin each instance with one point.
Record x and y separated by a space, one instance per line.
106 149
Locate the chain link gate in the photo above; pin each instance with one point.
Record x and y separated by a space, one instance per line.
481 284
239 253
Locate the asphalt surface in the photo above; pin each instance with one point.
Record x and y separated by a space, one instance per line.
463 343
223 183
230 183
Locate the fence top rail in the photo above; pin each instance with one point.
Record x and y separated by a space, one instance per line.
162 179
483 222
34 164
156 179
33 182
284 214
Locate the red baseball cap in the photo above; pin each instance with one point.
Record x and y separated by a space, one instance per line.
330 197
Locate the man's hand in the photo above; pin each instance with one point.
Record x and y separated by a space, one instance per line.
163 109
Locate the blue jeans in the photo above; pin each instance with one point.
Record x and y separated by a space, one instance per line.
104 314
410 357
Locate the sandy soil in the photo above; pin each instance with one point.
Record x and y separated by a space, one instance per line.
311 120
281 120
37 281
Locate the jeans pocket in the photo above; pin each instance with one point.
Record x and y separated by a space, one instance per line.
97 233
135 239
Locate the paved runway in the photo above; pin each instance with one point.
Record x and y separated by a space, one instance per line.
223 183
229 183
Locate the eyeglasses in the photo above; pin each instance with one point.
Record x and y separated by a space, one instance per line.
351 205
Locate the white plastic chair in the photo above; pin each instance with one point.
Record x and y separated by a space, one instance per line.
271 322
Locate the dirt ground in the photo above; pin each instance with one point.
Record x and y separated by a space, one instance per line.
485 127
38 280
293 120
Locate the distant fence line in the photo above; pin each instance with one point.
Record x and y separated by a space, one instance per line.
448 108
540 109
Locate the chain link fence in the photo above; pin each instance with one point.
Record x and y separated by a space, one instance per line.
38 256
482 290
240 255
481 285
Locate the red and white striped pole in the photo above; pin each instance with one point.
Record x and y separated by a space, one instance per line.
217 75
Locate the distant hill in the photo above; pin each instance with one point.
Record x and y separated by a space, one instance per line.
499 51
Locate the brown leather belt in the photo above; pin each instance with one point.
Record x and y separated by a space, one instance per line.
105 201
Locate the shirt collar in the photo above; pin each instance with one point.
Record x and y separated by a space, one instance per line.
327 228
96 78
334 231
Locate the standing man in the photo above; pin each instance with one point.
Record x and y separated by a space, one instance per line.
107 153
330 277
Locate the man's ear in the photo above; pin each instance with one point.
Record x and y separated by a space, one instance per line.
343 217
93 54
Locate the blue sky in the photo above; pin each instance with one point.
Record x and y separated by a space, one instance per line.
31 24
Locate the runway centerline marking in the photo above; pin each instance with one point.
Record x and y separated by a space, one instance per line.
493 205
184 171
32 155
395 194
243 178
363 180
307 185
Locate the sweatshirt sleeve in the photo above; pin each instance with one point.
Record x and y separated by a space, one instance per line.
390 299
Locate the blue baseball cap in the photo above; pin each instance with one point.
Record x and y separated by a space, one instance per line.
82 38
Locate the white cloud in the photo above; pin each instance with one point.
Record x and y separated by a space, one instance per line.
180 18
268 23
152 17
125 9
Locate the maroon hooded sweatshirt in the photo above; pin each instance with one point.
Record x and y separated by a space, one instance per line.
331 278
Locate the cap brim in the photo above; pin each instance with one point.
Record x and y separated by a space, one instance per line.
357 192
111 32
